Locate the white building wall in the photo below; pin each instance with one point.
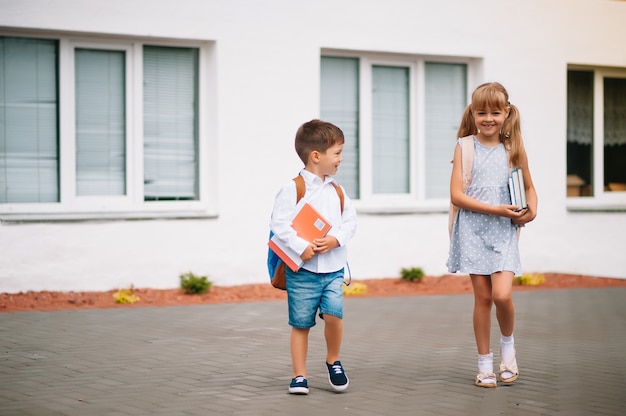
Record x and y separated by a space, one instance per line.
267 56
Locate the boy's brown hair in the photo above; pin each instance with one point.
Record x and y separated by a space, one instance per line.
317 135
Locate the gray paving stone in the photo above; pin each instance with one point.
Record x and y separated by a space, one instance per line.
404 356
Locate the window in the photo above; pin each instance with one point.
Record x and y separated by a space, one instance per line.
596 136
400 116
100 128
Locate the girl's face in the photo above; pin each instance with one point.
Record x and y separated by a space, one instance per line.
330 160
489 121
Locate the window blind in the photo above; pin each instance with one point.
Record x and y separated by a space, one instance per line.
445 100
340 106
29 162
170 101
390 127
100 122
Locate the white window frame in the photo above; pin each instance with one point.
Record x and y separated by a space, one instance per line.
601 200
415 200
132 205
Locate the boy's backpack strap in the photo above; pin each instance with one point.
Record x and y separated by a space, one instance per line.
340 193
301 190
300 187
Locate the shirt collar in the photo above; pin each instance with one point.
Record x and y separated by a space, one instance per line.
313 179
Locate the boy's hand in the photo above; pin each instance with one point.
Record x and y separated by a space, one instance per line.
325 244
308 253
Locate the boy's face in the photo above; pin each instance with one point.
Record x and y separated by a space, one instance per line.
330 160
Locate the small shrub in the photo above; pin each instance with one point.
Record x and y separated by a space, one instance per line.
125 296
412 274
194 285
529 280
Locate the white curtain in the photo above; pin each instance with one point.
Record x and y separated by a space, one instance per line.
580 107
614 111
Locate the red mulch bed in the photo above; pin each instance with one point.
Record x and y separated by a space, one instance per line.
442 285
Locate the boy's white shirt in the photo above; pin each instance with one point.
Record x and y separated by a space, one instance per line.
323 196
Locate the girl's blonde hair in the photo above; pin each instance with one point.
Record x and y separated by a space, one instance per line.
494 96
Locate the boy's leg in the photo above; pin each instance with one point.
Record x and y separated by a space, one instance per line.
303 294
331 309
333 332
299 347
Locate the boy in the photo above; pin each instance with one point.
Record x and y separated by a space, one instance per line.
318 284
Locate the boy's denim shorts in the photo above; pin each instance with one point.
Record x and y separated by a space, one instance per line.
308 292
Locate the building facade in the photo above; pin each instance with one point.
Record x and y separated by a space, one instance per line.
143 139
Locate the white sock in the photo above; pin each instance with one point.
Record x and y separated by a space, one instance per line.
485 363
507 348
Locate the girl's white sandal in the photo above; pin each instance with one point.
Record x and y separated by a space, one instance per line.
511 369
486 380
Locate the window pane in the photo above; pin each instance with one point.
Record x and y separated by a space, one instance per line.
390 125
615 134
170 123
28 121
579 133
445 101
100 123
340 106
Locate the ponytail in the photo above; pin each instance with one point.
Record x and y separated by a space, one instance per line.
467 127
511 136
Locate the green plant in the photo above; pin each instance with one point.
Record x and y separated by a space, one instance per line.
125 296
412 274
194 285
529 280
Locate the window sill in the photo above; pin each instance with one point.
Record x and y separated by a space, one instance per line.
385 209
590 204
15 218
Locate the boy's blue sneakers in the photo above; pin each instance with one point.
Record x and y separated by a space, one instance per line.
337 376
299 385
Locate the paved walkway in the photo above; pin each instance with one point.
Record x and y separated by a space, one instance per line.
404 356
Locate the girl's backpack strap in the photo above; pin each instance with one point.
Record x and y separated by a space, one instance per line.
467 159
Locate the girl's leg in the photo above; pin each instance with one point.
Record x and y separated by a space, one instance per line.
482 329
502 283
505 313
333 332
482 311
299 347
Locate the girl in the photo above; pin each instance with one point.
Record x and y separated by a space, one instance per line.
484 236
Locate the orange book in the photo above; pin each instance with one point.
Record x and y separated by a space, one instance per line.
309 224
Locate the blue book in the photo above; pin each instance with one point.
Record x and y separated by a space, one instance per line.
517 189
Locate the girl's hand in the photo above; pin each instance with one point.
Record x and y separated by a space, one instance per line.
527 216
510 211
